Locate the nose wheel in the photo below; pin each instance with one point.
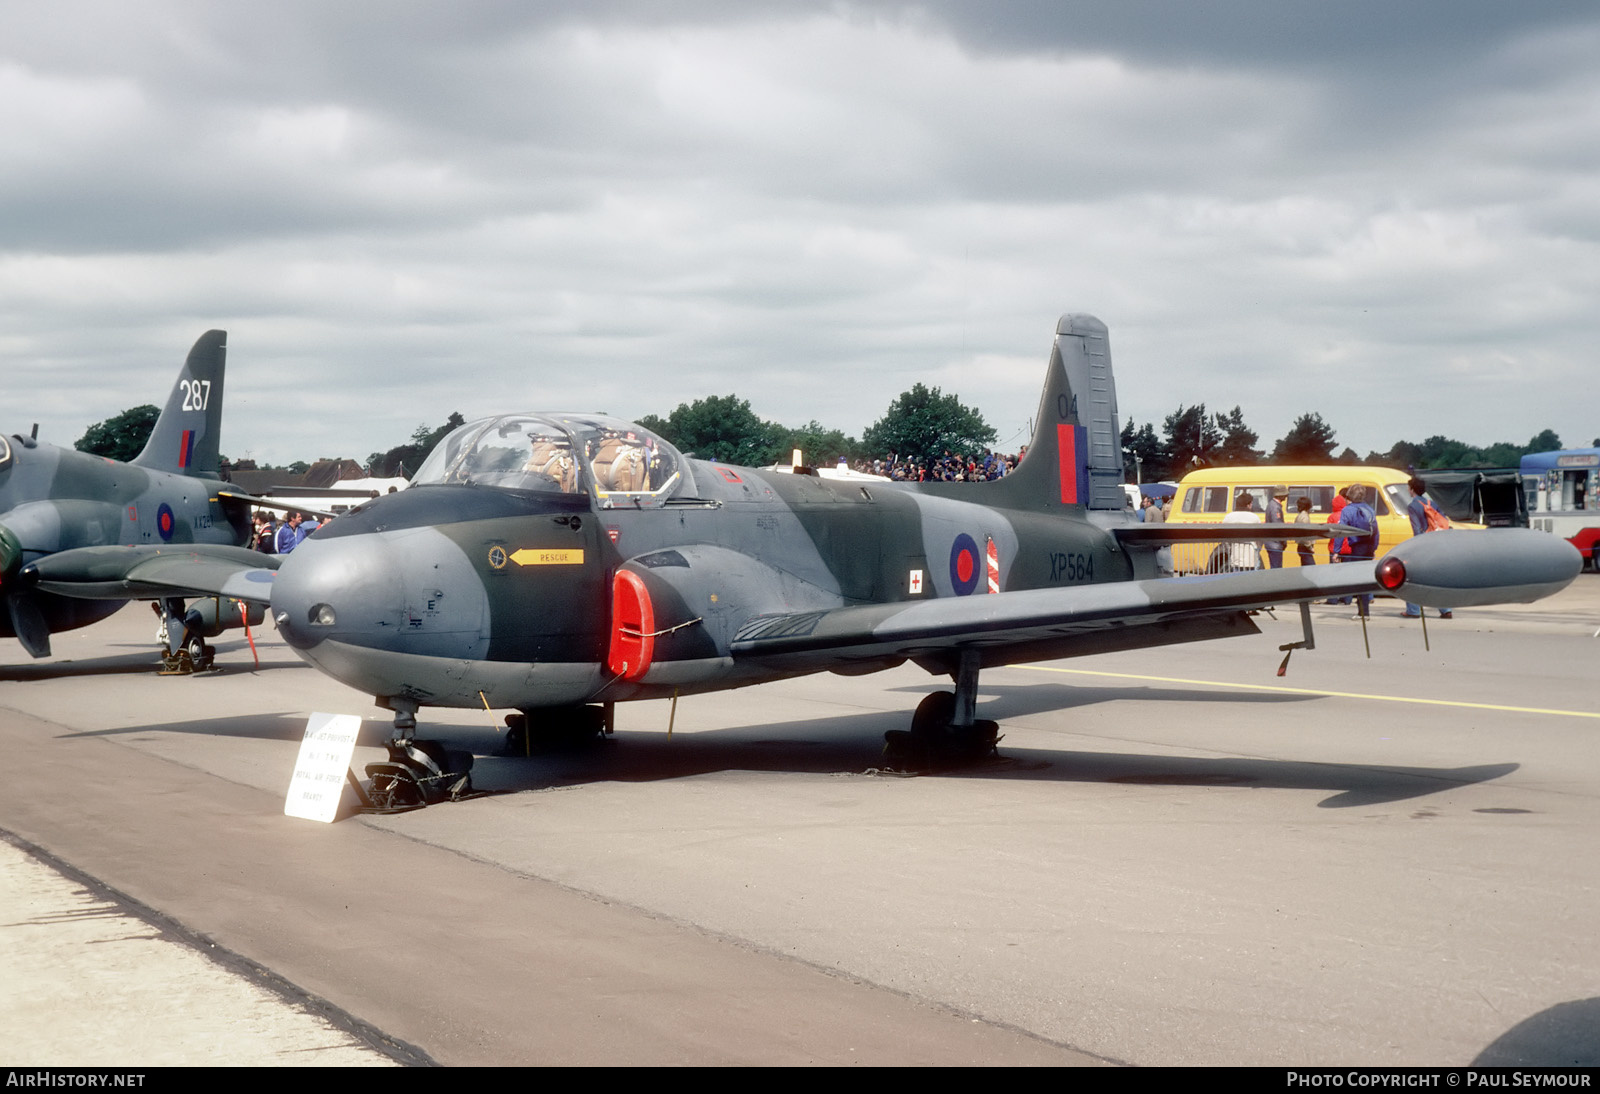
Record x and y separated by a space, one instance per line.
416 773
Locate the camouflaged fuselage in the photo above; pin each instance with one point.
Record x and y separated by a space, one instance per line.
460 595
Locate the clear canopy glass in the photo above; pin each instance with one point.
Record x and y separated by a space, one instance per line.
619 462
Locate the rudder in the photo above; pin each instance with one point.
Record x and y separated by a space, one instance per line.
1075 457
186 437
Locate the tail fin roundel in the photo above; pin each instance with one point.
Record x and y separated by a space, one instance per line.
186 437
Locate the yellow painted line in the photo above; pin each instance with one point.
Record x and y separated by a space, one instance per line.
1314 691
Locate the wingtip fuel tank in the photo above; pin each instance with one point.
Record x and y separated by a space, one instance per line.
1459 569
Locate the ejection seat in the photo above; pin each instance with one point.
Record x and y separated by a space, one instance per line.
620 466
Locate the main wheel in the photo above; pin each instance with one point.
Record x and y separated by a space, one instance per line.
516 736
199 653
934 713
555 729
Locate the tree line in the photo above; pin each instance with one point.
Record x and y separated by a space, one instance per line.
921 425
1192 437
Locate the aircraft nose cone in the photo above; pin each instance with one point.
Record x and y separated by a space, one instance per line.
347 602
342 588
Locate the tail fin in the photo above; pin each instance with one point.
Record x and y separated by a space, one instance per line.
188 432
1075 457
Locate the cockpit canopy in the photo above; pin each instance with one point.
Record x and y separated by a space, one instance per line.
619 462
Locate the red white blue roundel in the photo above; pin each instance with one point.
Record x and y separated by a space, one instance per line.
165 521
965 566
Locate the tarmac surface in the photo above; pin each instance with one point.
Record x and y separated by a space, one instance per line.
1181 858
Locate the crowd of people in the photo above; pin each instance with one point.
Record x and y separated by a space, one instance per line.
984 467
1350 509
279 537
1153 510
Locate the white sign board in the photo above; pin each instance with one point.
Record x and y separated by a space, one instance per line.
325 753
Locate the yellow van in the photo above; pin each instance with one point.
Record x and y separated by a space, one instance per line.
1206 496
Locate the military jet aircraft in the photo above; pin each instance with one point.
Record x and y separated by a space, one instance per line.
560 563
59 499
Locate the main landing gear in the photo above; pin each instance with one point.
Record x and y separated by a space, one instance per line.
187 651
557 729
417 773
944 732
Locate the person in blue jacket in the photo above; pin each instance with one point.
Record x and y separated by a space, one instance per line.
288 534
1363 547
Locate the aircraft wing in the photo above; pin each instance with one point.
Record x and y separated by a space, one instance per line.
1160 534
146 572
1035 624
1438 569
256 502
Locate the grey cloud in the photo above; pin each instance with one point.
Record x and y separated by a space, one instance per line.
404 209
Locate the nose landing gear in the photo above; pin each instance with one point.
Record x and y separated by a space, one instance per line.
186 651
417 773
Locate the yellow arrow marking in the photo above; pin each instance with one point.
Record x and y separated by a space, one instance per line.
532 556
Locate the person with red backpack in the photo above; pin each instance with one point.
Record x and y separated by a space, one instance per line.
1424 518
1338 546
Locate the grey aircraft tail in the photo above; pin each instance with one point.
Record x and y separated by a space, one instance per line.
1075 457
188 432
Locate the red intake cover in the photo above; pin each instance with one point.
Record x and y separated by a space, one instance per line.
633 622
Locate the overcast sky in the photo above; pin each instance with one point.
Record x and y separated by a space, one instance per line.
1388 213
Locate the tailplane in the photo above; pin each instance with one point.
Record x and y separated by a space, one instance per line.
1075 457
188 432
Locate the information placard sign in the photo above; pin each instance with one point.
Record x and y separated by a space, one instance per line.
319 772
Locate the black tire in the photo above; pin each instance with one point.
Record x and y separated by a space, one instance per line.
934 713
392 788
565 728
902 751
199 653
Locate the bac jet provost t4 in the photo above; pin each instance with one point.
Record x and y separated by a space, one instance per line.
61 500
560 563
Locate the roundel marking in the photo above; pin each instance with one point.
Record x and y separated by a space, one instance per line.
497 557
964 565
165 521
